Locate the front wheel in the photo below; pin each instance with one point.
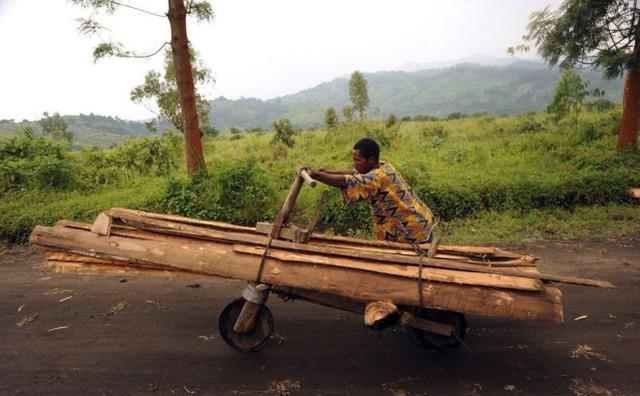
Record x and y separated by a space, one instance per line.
249 342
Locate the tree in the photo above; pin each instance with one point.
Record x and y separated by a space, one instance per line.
392 120
176 14
358 93
56 126
347 113
604 34
330 118
164 90
284 132
569 97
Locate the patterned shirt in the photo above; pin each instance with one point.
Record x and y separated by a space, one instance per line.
398 213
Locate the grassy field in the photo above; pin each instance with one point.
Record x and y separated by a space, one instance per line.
490 180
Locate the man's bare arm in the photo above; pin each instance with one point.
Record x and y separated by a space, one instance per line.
332 179
337 172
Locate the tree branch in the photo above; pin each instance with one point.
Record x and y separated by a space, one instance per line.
138 9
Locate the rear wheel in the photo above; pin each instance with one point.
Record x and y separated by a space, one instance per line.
439 342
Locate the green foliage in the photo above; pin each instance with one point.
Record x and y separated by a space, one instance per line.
456 155
359 93
570 94
239 193
601 33
391 121
455 115
163 89
480 168
284 132
27 161
433 135
529 123
330 118
56 127
347 113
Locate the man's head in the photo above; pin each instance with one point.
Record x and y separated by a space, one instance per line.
366 154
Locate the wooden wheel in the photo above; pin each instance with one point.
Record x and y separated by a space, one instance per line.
438 342
249 342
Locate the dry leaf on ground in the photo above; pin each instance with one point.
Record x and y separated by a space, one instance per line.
57 328
284 387
587 352
119 306
26 320
580 387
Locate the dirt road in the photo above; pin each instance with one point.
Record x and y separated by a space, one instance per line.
155 335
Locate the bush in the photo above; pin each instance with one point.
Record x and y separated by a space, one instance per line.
284 132
528 123
392 120
239 193
433 135
28 162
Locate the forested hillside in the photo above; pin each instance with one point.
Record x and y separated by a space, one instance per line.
467 88
89 129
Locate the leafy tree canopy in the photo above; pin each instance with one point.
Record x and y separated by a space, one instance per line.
164 90
330 118
358 93
599 33
56 126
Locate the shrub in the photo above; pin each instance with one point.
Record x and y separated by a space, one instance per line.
392 120
239 193
528 123
433 135
456 155
284 132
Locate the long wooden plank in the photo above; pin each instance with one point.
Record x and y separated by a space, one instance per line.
431 274
198 232
218 259
489 252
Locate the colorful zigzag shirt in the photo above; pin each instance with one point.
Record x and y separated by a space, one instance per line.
398 213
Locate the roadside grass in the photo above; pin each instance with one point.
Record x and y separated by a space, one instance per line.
21 211
597 222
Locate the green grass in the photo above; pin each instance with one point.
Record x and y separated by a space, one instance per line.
23 210
597 222
489 180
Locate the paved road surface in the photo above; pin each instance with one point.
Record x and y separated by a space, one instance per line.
154 335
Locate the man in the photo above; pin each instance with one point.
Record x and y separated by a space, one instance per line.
398 213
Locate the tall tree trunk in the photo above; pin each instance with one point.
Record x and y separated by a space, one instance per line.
184 79
628 133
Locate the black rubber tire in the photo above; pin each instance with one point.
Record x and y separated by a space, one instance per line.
245 342
438 342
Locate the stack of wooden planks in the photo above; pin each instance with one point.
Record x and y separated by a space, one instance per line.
480 280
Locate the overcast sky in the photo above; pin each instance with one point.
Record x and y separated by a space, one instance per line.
255 48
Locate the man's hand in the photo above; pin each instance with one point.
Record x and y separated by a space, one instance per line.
308 168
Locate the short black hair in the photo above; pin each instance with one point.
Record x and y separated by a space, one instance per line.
368 148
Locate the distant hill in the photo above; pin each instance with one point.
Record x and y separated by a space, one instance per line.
469 88
89 129
508 86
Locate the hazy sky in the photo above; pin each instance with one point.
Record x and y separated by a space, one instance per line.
255 48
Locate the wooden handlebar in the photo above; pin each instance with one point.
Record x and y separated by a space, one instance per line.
307 178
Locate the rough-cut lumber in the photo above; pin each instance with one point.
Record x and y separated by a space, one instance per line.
219 259
432 274
381 314
478 251
102 225
197 232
